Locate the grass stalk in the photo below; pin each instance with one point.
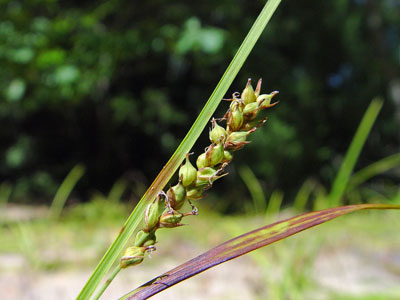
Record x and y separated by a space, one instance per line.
172 165
5 193
274 205
65 190
117 190
302 196
107 282
254 187
342 178
381 166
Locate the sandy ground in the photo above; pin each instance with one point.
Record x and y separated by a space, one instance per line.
345 272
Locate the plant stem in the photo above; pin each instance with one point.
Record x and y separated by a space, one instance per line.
107 282
352 154
65 190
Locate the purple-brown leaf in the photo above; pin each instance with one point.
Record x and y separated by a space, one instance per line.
243 244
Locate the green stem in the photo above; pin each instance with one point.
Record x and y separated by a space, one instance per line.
108 282
342 178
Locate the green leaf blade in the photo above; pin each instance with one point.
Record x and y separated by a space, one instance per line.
342 178
243 244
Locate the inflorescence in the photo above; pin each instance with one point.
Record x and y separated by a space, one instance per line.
163 212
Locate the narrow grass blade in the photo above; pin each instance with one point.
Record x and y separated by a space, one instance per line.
321 198
254 187
65 190
274 205
243 244
376 168
172 165
5 193
363 130
302 196
117 190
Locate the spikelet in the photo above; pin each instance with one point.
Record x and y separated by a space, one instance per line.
163 212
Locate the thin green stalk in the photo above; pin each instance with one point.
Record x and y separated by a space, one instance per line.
117 190
172 165
381 166
300 201
321 199
254 187
351 157
274 205
107 282
5 193
65 190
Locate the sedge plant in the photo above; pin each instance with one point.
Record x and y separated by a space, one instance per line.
164 212
133 221
159 209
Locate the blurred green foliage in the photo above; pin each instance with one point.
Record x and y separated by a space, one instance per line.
116 85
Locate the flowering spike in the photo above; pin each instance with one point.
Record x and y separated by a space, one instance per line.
240 123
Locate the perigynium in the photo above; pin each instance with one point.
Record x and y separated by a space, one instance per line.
240 121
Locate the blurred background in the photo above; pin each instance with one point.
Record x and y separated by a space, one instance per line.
95 96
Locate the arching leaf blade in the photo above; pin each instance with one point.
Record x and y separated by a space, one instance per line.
243 244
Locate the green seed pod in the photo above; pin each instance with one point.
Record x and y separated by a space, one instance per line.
237 103
144 238
228 156
237 140
132 256
250 111
235 117
187 173
239 136
252 124
176 195
248 95
217 132
170 219
202 161
206 176
215 154
265 100
194 193
152 214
